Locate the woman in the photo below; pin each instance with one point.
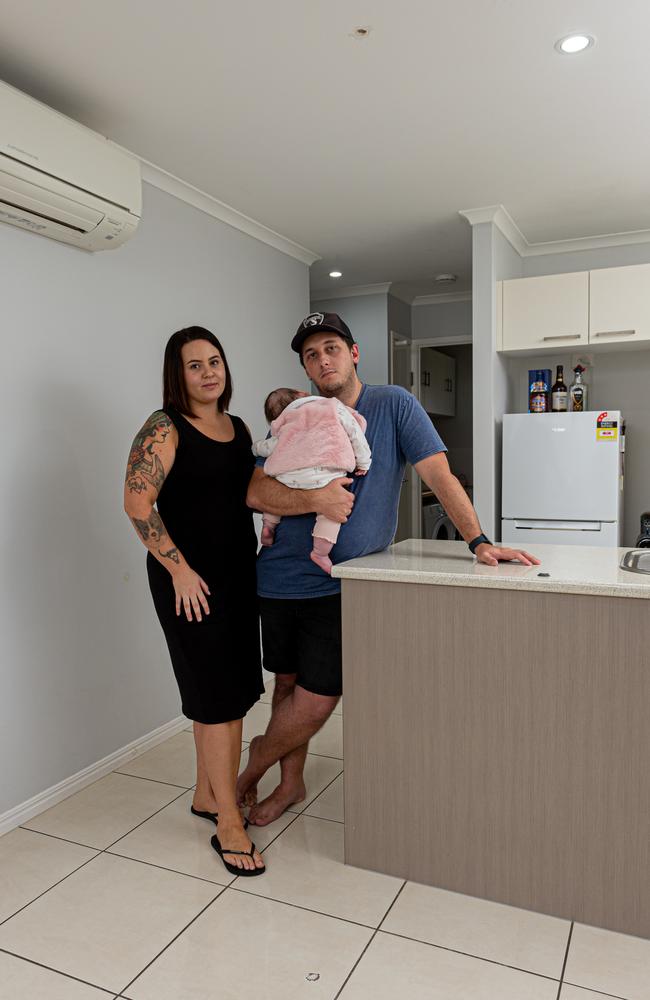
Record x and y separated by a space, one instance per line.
194 461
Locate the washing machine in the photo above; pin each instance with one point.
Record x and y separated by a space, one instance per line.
437 525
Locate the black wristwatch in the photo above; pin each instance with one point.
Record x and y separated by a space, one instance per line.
479 540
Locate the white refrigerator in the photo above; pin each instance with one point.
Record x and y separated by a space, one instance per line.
563 478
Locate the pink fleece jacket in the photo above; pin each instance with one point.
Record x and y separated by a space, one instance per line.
311 435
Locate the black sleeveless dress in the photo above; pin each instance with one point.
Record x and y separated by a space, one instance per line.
202 503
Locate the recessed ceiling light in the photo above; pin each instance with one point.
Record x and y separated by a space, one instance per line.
336 274
571 44
361 32
445 279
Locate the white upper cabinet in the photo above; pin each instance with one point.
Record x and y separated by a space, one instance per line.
549 311
620 305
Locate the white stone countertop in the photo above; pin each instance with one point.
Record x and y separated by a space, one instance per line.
572 569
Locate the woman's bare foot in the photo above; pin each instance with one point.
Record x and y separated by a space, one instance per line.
207 804
276 803
231 834
247 780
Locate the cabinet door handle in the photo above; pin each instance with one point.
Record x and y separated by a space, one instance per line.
615 333
564 336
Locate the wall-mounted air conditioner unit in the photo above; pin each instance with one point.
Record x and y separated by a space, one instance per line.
60 180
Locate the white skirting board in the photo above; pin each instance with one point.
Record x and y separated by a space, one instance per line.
48 798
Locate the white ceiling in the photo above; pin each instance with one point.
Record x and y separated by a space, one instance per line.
363 151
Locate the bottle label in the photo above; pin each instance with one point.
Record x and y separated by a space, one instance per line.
560 399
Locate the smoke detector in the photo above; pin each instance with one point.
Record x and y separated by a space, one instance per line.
445 279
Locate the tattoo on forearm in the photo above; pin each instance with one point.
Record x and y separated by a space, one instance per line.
170 554
152 529
144 467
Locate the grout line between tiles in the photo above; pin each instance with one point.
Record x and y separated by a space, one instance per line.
590 989
141 823
54 836
468 954
164 868
170 943
66 975
322 792
566 956
50 887
372 938
305 909
157 781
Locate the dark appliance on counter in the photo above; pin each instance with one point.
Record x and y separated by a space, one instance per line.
643 541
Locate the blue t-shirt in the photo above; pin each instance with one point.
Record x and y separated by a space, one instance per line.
399 431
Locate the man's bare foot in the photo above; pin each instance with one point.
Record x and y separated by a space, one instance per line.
276 803
247 781
231 834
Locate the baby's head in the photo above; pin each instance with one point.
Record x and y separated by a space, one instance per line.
278 400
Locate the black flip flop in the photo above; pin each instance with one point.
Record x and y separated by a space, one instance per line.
213 817
233 869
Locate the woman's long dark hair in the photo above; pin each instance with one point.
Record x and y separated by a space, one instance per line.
174 388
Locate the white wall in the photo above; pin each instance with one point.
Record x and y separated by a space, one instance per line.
399 317
367 317
85 669
443 319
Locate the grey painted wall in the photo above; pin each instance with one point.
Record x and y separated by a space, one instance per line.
367 317
443 319
399 317
84 665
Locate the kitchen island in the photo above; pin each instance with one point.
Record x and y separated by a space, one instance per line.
497 727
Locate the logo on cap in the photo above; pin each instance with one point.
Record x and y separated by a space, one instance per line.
314 319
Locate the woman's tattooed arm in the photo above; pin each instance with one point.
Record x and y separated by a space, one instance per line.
145 475
144 468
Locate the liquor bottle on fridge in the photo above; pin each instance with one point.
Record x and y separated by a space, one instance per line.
578 392
559 393
539 386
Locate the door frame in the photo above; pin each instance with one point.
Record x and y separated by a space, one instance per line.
417 345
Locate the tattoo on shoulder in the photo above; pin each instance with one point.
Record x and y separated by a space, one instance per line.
144 468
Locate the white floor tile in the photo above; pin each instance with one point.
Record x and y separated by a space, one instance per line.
328 742
246 948
393 967
104 811
529 941
319 771
20 980
329 804
30 863
305 867
173 761
175 839
609 963
105 922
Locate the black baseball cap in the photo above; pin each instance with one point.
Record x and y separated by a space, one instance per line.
321 323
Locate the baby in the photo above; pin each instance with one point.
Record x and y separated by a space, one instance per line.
313 441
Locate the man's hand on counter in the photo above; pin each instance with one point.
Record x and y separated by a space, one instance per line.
492 555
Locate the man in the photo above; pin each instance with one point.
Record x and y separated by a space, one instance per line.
301 605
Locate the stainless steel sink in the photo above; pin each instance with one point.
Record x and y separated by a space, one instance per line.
636 561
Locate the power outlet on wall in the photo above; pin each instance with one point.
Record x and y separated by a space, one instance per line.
586 360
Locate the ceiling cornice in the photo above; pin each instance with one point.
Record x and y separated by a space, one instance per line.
498 215
351 291
178 188
436 300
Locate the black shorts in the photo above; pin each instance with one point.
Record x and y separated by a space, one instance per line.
302 636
